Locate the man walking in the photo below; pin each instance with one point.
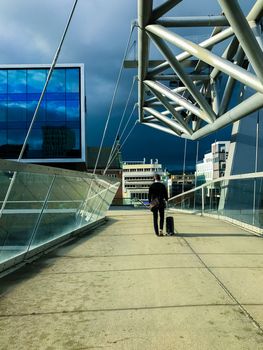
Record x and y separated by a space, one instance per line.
158 191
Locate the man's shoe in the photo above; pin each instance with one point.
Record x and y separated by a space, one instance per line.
161 233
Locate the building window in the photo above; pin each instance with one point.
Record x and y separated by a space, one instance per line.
57 128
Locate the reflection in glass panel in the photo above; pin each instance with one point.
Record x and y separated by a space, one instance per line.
3 111
36 79
73 110
57 81
3 137
31 221
35 140
55 96
16 136
26 201
58 116
57 141
73 125
77 138
56 110
59 216
17 97
17 111
70 96
3 81
16 125
72 80
16 81
31 107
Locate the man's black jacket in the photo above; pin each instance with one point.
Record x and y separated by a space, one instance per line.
158 190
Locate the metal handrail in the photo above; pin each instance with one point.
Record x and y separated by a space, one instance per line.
220 179
12 166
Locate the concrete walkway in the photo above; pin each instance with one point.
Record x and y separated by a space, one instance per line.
124 288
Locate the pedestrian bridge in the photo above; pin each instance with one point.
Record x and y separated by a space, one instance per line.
121 287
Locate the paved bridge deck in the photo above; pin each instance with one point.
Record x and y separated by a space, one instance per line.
124 288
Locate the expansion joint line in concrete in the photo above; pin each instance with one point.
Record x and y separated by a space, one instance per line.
63 312
227 291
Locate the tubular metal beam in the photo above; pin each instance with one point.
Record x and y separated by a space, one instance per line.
229 53
163 9
177 68
255 14
175 97
170 110
246 107
244 34
198 69
161 128
177 128
171 77
158 103
217 38
230 84
210 58
144 15
205 21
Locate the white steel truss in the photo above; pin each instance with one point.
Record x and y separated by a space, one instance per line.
196 107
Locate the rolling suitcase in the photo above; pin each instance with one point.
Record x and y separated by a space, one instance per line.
170 225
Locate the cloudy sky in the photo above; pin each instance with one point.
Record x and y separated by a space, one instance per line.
30 31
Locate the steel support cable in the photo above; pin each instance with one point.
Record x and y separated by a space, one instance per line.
117 151
115 146
122 117
113 98
126 125
38 105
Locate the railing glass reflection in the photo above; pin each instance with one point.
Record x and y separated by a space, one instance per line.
45 204
238 198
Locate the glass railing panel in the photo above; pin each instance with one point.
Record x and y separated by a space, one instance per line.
239 200
258 203
107 200
238 197
44 204
71 204
21 213
197 205
60 210
212 197
96 202
191 201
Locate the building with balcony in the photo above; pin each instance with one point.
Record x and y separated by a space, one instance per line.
214 163
138 176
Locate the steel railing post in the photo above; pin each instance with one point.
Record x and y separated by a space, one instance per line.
203 201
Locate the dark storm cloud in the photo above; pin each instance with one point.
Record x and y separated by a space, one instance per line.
30 31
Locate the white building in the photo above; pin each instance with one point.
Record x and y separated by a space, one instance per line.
137 177
214 163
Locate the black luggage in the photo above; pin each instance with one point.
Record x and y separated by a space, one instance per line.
170 225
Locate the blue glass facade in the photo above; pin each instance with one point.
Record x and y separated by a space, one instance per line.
56 132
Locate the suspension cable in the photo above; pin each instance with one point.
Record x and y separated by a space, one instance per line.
113 98
117 151
185 148
47 81
123 114
37 108
115 146
135 105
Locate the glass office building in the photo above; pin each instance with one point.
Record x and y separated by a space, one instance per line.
58 134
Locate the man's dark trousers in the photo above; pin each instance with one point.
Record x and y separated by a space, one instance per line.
155 211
